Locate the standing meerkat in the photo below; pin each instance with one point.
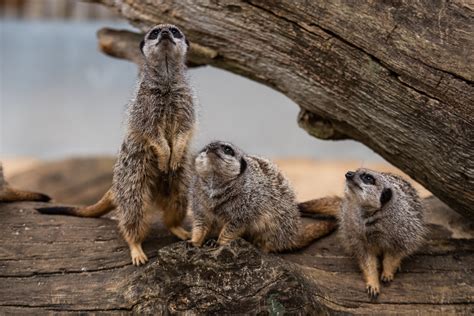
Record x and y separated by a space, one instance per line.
238 195
381 215
152 170
9 194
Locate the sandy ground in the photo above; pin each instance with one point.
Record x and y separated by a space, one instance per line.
310 178
12 166
313 178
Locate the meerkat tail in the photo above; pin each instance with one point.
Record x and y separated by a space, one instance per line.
100 208
326 206
14 195
312 231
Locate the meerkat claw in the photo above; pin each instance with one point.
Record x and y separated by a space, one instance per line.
211 243
139 259
386 278
190 244
373 291
138 256
174 165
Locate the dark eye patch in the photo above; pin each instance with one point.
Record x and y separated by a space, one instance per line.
154 34
367 179
228 150
176 32
243 165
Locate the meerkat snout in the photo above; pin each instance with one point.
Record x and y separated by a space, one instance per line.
200 162
349 175
362 187
220 158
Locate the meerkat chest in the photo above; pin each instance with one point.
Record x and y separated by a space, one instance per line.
171 113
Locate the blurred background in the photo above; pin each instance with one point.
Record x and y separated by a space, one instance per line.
60 98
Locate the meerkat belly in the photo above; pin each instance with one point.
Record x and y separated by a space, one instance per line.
379 235
274 229
135 171
265 223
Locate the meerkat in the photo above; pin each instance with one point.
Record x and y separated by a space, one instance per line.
9 194
236 195
153 166
381 216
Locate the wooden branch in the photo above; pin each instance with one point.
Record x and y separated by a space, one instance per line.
396 76
125 44
63 264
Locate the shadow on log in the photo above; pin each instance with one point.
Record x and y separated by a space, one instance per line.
396 76
68 264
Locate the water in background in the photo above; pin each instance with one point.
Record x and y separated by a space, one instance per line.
59 96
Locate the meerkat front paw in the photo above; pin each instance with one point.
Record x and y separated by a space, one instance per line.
163 165
373 290
211 243
180 232
387 277
175 163
138 256
192 244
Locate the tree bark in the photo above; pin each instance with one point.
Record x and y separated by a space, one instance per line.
394 75
64 264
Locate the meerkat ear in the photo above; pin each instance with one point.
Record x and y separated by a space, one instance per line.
187 42
385 196
243 165
142 43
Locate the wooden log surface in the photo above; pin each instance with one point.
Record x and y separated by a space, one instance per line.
73 265
394 75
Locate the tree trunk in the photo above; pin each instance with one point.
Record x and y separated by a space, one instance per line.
394 75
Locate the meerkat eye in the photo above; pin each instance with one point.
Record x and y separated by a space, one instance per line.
154 34
368 179
176 32
228 151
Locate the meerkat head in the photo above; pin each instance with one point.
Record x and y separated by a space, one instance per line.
164 40
368 188
221 159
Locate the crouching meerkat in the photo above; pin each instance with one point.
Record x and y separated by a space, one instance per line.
9 194
153 166
239 195
381 216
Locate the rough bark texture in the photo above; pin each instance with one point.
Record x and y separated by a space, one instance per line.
394 75
67 264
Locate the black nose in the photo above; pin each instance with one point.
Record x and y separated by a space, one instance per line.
350 175
165 33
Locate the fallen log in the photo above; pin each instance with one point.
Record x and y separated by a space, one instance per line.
61 264
396 76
